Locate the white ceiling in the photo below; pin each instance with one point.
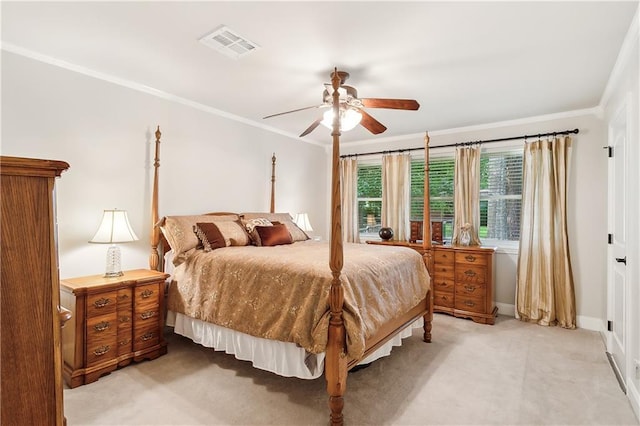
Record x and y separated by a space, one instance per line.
466 63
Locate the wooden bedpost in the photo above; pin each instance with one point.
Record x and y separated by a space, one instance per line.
273 184
426 238
154 258
336 355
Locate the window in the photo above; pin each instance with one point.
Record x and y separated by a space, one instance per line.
500 194
369 199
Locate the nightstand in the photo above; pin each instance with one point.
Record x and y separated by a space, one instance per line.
115 320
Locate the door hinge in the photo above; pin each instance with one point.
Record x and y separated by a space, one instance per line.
609 151
609 325
610 238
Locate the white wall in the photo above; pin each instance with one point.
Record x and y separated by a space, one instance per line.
622 88
106 133
587 212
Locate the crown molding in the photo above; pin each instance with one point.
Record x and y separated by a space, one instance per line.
597 111
629 45
12 48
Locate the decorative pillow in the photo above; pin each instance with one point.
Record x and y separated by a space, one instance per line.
178 230
250 226
209 235
274 235
297 234
234 233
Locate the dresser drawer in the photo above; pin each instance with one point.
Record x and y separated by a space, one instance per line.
441 284
146 337
125 341
101 303
444 257
471 289
469 303
101 339
468 258
443 271
468 274
444 299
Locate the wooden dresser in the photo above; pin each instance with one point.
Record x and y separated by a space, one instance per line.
461 277
116 320
30 359
463 283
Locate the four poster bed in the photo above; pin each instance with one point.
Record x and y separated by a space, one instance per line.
268 292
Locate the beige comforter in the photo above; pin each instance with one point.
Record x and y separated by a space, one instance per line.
281 292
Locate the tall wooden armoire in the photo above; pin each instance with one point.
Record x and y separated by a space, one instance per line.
30 356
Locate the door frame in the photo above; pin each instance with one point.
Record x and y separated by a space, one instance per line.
623 112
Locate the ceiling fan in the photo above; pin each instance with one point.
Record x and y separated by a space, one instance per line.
351 108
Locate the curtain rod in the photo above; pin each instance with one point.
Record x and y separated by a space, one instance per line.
539 135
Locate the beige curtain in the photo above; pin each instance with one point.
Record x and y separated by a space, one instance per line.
349 199
396 194
545 291
467 194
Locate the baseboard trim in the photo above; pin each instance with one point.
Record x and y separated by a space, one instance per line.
616 371
588 323
634 397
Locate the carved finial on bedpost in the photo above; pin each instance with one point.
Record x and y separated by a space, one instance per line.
272 209
336 354
154 258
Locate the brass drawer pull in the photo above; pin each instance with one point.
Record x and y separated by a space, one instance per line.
470 273
124 296
469 303
146 294
101 350
470 258
147 315
102 326
101 303
147 336
443 284
125 342
445 298
125 319
469 288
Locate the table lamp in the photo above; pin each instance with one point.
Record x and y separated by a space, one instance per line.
114 228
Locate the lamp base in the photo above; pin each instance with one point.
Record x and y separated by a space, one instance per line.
113 262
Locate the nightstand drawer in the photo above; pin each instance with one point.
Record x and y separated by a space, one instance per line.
443 271
101 339
146 337
101 303
148 293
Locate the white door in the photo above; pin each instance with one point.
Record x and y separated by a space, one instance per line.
617 283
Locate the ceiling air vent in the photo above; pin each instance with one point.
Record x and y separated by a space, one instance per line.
229 42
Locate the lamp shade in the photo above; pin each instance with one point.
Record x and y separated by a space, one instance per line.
302 220
114 228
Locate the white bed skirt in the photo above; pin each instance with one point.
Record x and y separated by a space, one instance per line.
281 358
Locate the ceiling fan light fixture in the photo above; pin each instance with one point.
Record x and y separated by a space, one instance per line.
349 118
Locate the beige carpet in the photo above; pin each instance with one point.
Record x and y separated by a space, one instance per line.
511 373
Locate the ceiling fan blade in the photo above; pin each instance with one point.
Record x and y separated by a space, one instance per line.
294 110
312 127
409 104
371 124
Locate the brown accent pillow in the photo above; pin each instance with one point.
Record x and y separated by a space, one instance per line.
274 235
209 235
